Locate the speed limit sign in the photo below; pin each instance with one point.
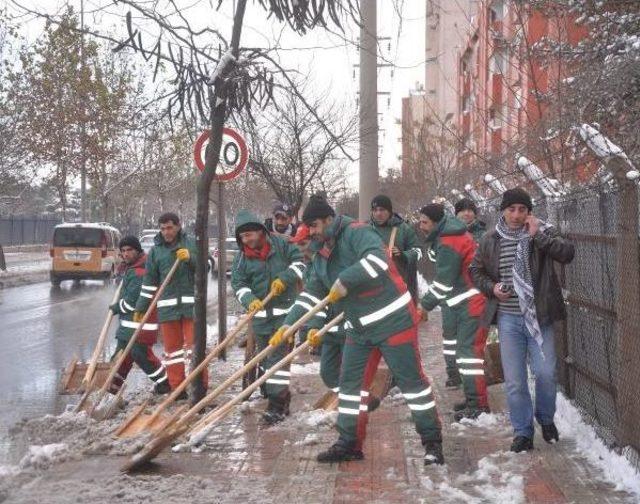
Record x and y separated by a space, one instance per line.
234 154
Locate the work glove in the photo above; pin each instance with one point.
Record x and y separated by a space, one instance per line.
278 287
313 338
138 316
337 292
256 305
278 337
183 254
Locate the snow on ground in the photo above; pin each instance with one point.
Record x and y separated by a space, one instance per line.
311 368
616 468
24 268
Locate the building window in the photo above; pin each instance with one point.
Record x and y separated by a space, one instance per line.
496 116
498 61
466 104
496 11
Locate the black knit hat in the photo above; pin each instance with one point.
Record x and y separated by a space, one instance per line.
435 211
516 196
317 208
130 241
466 204
382 201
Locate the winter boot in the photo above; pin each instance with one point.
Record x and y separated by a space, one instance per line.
459 406
470 412
341 451
277 410
162 388
521 443
433 452
453 381
550 433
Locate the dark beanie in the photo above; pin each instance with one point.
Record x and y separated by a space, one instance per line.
382 201
130 241
435 211
516 196
317 208
249 226
466 204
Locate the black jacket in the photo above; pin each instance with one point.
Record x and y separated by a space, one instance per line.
546 247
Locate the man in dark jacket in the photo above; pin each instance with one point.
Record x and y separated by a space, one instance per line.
282 221
513 267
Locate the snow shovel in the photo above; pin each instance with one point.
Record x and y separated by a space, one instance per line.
176 428
78 375
140 421
202 428
91 407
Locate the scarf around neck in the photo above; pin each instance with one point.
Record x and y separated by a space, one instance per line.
261 253
522 278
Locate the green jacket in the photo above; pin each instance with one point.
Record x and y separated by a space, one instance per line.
251 277
125 306
377 304
406 238
178 297
477 229
454 248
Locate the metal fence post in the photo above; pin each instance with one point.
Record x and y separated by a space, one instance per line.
628 301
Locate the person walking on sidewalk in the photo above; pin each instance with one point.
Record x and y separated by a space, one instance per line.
267 263
453 287
405 249
142 351
514 268
351 265
175 307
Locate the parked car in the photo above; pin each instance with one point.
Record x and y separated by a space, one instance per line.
232 250
146 242
84 250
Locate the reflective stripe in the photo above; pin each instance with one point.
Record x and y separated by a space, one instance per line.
156 372
415 395
461 297
334 328
348 325
418 252
432 255
160 380
261 314
364 393
127 305
135 325
403 300
441 286
383 265
471 371
449 352
436 293
144 294
303 304
122 308
364 407
166 302
241 292
347 397
322 314
470 361
296 270
278 382
281 311
335 389
312 298
173 361
283 373
188 299
151 288
449 342
368 268
422 407
349 411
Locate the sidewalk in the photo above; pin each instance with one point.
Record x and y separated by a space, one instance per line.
24 268
241 462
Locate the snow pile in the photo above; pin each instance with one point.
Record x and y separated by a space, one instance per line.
42 456
485 420
616 468
312 368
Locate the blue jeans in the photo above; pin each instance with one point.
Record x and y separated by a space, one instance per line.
517 346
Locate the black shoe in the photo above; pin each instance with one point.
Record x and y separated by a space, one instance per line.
183 396
162 388
433 453
272 417
340 452
459 406
521 443
374 404
453 382
470 413
550 433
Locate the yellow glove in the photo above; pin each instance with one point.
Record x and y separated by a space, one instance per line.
183 254
337 292
278 287
138 316
278 336
256 305
313 339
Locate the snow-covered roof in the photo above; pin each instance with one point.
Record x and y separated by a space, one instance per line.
94 225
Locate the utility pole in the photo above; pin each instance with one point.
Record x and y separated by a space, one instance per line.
83 126
368 107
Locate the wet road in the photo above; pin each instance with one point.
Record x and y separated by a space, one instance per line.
41 328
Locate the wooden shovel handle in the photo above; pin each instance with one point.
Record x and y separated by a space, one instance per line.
93 363
205 401
222 411
215 351
392 239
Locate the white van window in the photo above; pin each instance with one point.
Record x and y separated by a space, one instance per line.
77 237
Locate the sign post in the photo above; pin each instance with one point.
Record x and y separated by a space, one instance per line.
234 156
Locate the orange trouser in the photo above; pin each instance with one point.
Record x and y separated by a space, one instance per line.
177 336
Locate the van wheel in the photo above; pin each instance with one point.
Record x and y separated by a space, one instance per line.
55 280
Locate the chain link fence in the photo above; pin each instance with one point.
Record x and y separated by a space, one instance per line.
26 230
